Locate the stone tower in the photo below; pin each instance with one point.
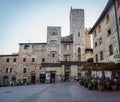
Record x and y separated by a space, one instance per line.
77 27
54 44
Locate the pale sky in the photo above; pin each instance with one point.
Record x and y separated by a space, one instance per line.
23 21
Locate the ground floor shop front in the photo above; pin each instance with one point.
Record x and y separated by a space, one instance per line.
45 75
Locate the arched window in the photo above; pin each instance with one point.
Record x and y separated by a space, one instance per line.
53 54
53 43
24 70
54 32
26 47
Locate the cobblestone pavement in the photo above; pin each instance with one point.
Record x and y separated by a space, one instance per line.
58 92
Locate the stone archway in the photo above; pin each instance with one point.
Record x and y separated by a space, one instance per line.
5 81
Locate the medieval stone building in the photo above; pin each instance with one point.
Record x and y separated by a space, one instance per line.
106 40
60 58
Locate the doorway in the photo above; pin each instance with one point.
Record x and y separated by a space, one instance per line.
14 80
52 79
66 76
24 81
42 78
5 81
33 79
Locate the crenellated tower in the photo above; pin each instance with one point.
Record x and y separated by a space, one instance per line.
77 26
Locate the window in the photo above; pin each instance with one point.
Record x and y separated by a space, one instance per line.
100 40
53 43
33 59
66 47
26 47
6 70
109 32
43 59
101 55
53 55
10 70
24 59
107 19
111 50
14 60
7 60
95 44
33 46
66 57
54 31
25 70
95 33
99 28
96 57
78 34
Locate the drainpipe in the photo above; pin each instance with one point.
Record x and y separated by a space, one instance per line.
117 25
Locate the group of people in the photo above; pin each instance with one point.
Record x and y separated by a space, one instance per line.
18 82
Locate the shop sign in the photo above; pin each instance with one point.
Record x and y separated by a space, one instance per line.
48 76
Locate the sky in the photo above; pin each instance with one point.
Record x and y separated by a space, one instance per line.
26 21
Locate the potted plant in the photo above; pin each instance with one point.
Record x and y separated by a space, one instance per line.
101 84
90 85
114 85
85 83
81 81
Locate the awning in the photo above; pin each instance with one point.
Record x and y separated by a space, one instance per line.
101 66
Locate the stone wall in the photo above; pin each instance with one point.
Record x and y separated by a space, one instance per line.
104 40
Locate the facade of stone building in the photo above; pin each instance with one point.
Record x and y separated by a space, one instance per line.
61 58
106 35
88 46
117 6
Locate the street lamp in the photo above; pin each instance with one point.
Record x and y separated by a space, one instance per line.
118 59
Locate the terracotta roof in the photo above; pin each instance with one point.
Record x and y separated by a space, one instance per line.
31 43
9 55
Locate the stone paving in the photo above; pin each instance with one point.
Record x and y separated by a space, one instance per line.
58 92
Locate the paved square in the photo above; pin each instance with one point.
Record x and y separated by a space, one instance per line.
58 92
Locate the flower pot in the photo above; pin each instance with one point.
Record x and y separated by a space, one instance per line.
114 87
100 87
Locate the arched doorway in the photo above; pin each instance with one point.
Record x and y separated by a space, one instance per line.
33 78
14 80
24 80
5 81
